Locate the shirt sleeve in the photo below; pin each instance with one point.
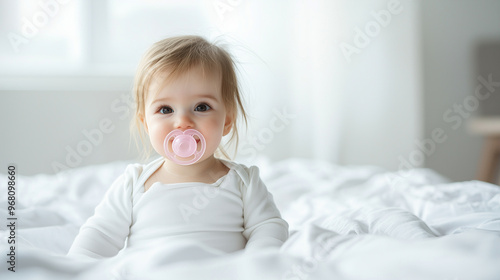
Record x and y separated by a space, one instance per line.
103 235
263 224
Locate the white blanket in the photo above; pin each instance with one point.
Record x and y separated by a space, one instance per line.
346 223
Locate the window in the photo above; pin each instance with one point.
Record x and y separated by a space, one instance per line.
92 37
40 36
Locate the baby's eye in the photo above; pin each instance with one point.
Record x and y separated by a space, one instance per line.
203 107
165 110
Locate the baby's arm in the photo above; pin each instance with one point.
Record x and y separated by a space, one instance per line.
264 226
104 234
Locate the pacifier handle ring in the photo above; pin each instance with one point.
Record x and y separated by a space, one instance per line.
173 156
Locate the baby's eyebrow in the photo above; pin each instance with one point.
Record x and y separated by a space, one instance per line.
207 96
159 100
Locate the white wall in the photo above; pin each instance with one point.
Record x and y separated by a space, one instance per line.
451 31
47 128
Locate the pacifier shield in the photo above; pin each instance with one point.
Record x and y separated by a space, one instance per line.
182 148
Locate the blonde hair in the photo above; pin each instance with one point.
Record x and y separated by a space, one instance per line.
176 56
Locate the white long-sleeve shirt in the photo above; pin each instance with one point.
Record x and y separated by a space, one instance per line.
234 213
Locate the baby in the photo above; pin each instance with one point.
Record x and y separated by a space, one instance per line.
187 99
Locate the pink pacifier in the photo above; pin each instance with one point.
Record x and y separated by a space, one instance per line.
181 147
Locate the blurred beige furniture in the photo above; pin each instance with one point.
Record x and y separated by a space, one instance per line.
489 127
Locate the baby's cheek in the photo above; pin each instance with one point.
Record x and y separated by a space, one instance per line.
214 137
157 142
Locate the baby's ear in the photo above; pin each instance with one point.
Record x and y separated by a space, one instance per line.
228 123
144 123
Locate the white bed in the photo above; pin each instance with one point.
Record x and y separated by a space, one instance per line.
357 222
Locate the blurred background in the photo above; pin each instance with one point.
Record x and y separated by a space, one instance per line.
378 82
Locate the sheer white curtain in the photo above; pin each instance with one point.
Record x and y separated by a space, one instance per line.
306 95
348 71
381 86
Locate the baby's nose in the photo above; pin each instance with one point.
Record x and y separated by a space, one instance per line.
184 121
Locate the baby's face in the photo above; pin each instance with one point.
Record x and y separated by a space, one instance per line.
191 101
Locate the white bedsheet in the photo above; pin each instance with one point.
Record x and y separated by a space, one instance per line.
346 223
